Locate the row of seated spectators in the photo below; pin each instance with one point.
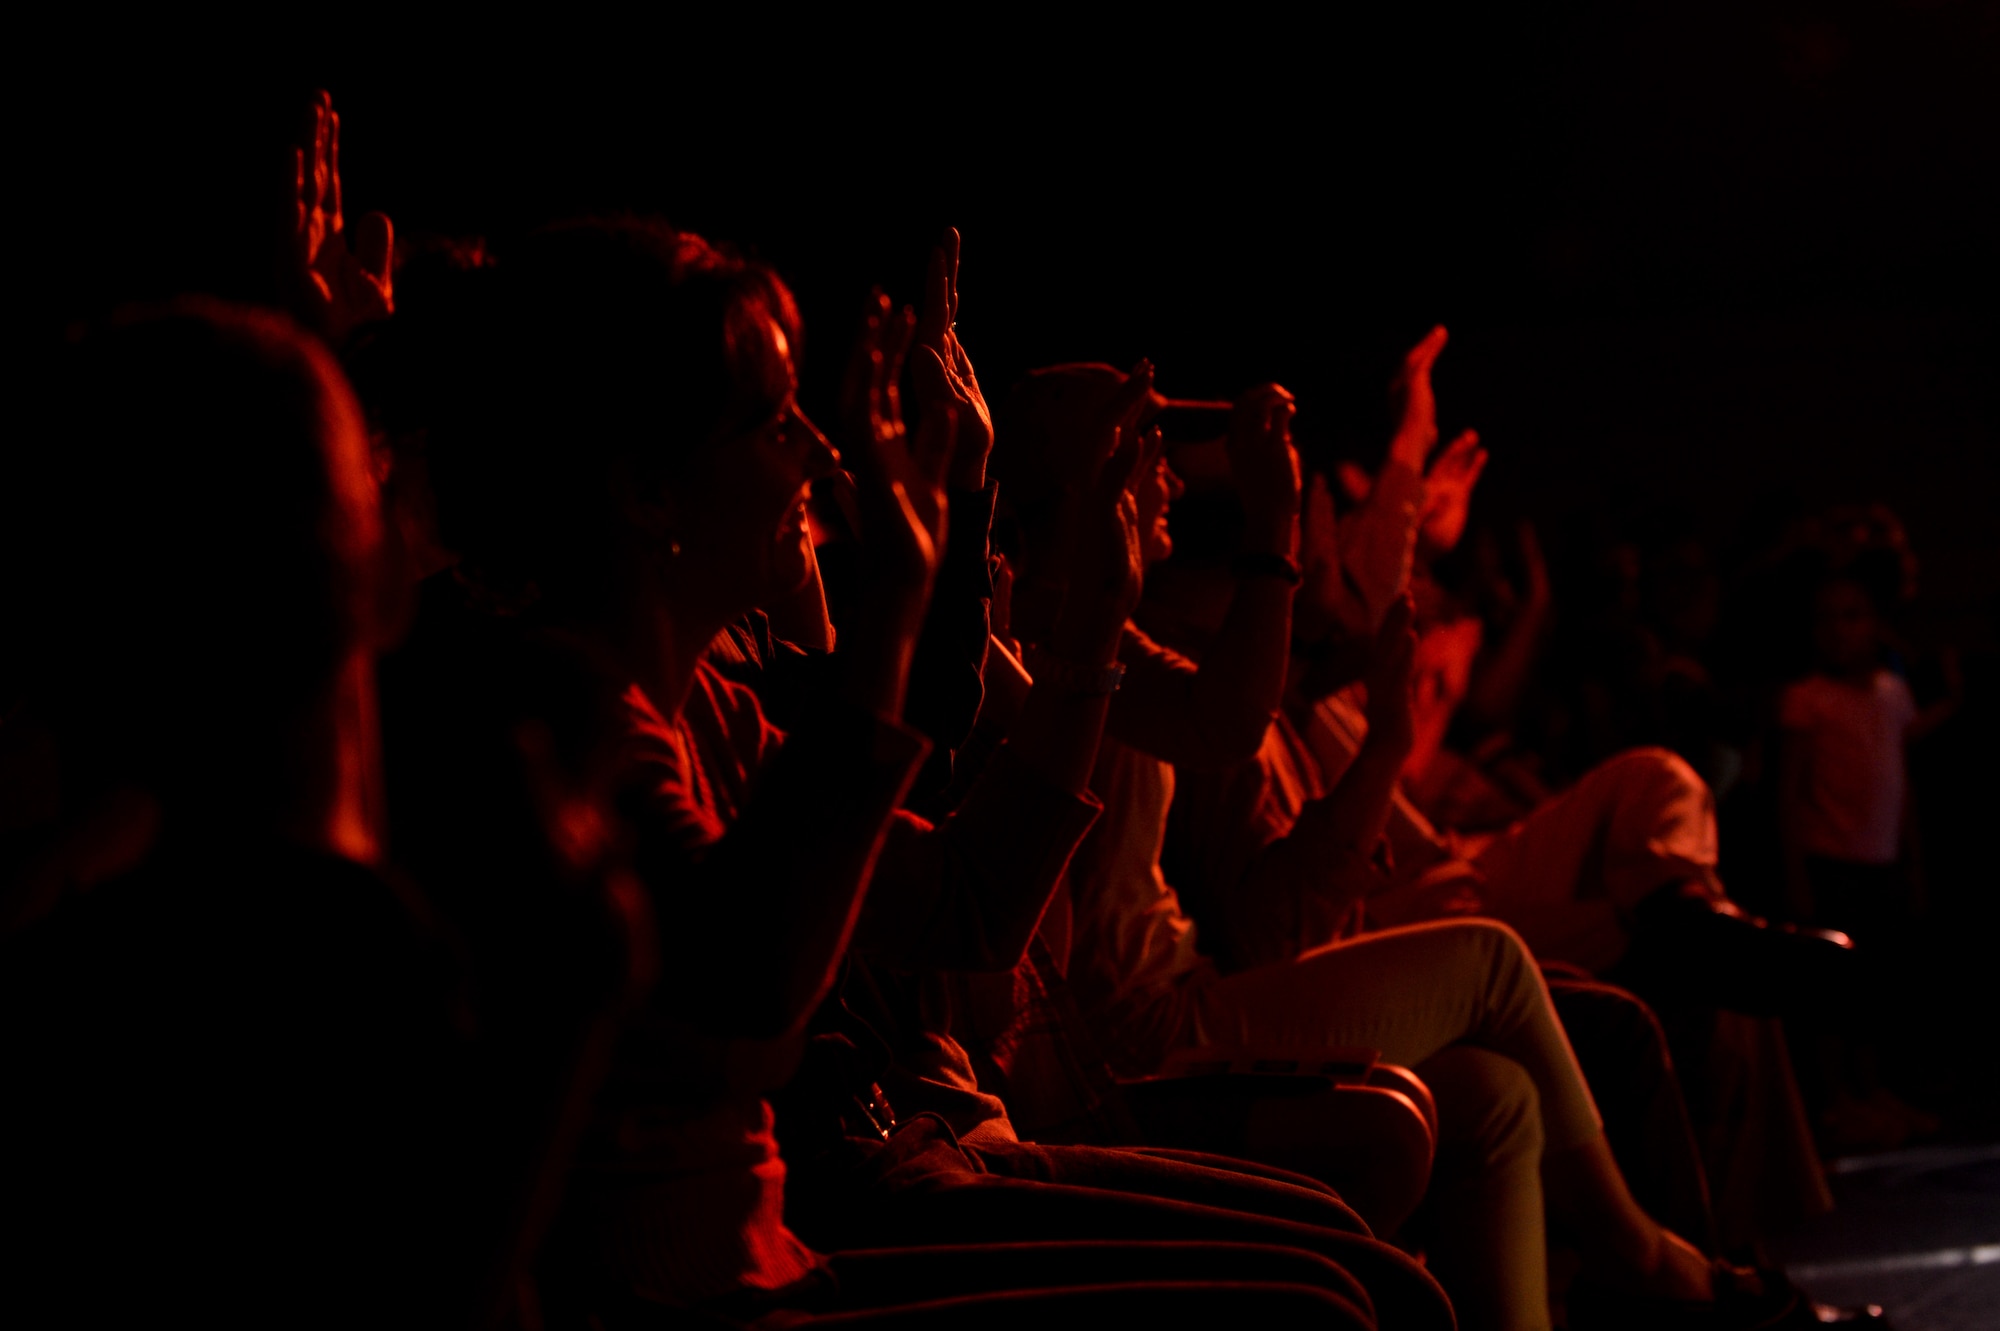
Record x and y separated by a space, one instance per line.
460 870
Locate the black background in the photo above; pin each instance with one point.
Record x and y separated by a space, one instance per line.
1692 257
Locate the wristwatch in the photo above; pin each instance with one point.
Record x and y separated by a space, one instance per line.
1068 676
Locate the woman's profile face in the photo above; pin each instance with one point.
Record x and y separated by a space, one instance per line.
1155 494
751 516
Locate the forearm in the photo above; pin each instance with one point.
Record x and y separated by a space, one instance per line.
1379 540
945 688
1235 694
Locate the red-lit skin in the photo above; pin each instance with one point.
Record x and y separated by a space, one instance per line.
1156 491
743 532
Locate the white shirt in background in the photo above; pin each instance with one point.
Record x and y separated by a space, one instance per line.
1854 774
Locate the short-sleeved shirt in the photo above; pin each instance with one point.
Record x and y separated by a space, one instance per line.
1853 736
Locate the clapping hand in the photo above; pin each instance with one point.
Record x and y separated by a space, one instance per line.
898 477
946 374
1104 556
1448 494
339 281
1416 429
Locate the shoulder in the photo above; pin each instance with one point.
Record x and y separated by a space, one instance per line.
733 707
1894 692
1801 702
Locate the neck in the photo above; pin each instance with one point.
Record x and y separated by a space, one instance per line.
661 630
339 808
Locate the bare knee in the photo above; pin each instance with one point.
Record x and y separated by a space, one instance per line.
1654 768
1505 952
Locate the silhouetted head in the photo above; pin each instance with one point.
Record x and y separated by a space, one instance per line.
1847 631
619 409
194 555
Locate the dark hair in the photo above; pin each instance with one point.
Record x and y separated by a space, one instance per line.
181 568
600 355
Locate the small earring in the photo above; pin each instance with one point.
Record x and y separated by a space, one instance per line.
673 549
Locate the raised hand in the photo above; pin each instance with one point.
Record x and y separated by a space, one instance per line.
1416 431
1266 469
947 375
898 488
1448 494
339 282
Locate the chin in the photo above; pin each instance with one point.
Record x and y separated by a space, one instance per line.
791 566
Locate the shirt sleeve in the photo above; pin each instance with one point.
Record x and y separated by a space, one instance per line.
1902 704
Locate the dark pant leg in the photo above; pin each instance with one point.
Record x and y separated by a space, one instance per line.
1187 1176
1623 1053
1161 1306
1235 1165
984 1209
922 1189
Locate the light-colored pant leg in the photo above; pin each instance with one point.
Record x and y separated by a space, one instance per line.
1569 875
1487 1243
1410 992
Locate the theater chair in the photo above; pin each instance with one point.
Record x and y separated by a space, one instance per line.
1367 1128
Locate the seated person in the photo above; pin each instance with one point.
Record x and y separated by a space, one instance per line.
618 461
1482 1031
235 1062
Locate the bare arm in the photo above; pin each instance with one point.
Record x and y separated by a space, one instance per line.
1330 854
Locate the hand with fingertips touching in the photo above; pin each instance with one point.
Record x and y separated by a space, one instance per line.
339 280
898 488
946 374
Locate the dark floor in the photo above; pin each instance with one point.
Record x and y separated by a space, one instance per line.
1917 1231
